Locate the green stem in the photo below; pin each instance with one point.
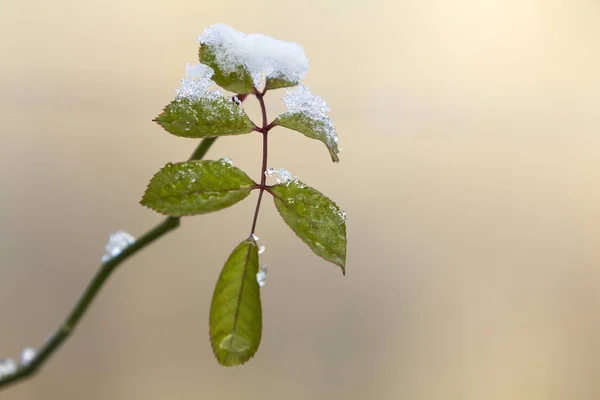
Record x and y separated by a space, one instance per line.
85 300
202 148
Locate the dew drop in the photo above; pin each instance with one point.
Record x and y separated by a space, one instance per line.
226 161
234 343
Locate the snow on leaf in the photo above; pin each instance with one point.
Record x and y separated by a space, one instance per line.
197 83
282 176
234 52
199 111
308 114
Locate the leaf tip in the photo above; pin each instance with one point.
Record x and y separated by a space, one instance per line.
334 156
342 264
158 119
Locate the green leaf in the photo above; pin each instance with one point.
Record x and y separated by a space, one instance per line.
196 187
204 117
316 220
236 79
235 310
315 129
277 83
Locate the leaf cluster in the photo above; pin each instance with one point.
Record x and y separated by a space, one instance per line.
199 187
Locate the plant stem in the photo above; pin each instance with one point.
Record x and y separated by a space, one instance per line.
263 178
106 269
202 148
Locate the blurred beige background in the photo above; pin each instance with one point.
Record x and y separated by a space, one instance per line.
470 174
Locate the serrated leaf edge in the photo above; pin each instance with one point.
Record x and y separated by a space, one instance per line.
285 204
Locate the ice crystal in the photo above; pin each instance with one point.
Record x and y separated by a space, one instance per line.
197 83
262 55
28 355
339 212
261 276
284 177
7 367
116 243
301 100
261 249
226 161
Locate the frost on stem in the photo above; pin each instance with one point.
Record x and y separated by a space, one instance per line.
261 55
27 355
117 242
7 367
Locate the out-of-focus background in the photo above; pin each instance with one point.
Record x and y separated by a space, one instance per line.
470 174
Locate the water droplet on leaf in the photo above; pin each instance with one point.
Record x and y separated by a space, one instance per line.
226 161
234 343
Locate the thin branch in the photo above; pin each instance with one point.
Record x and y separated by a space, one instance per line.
263 177
256 211
25 370
202 148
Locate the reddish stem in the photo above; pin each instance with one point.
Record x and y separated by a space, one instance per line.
263 178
